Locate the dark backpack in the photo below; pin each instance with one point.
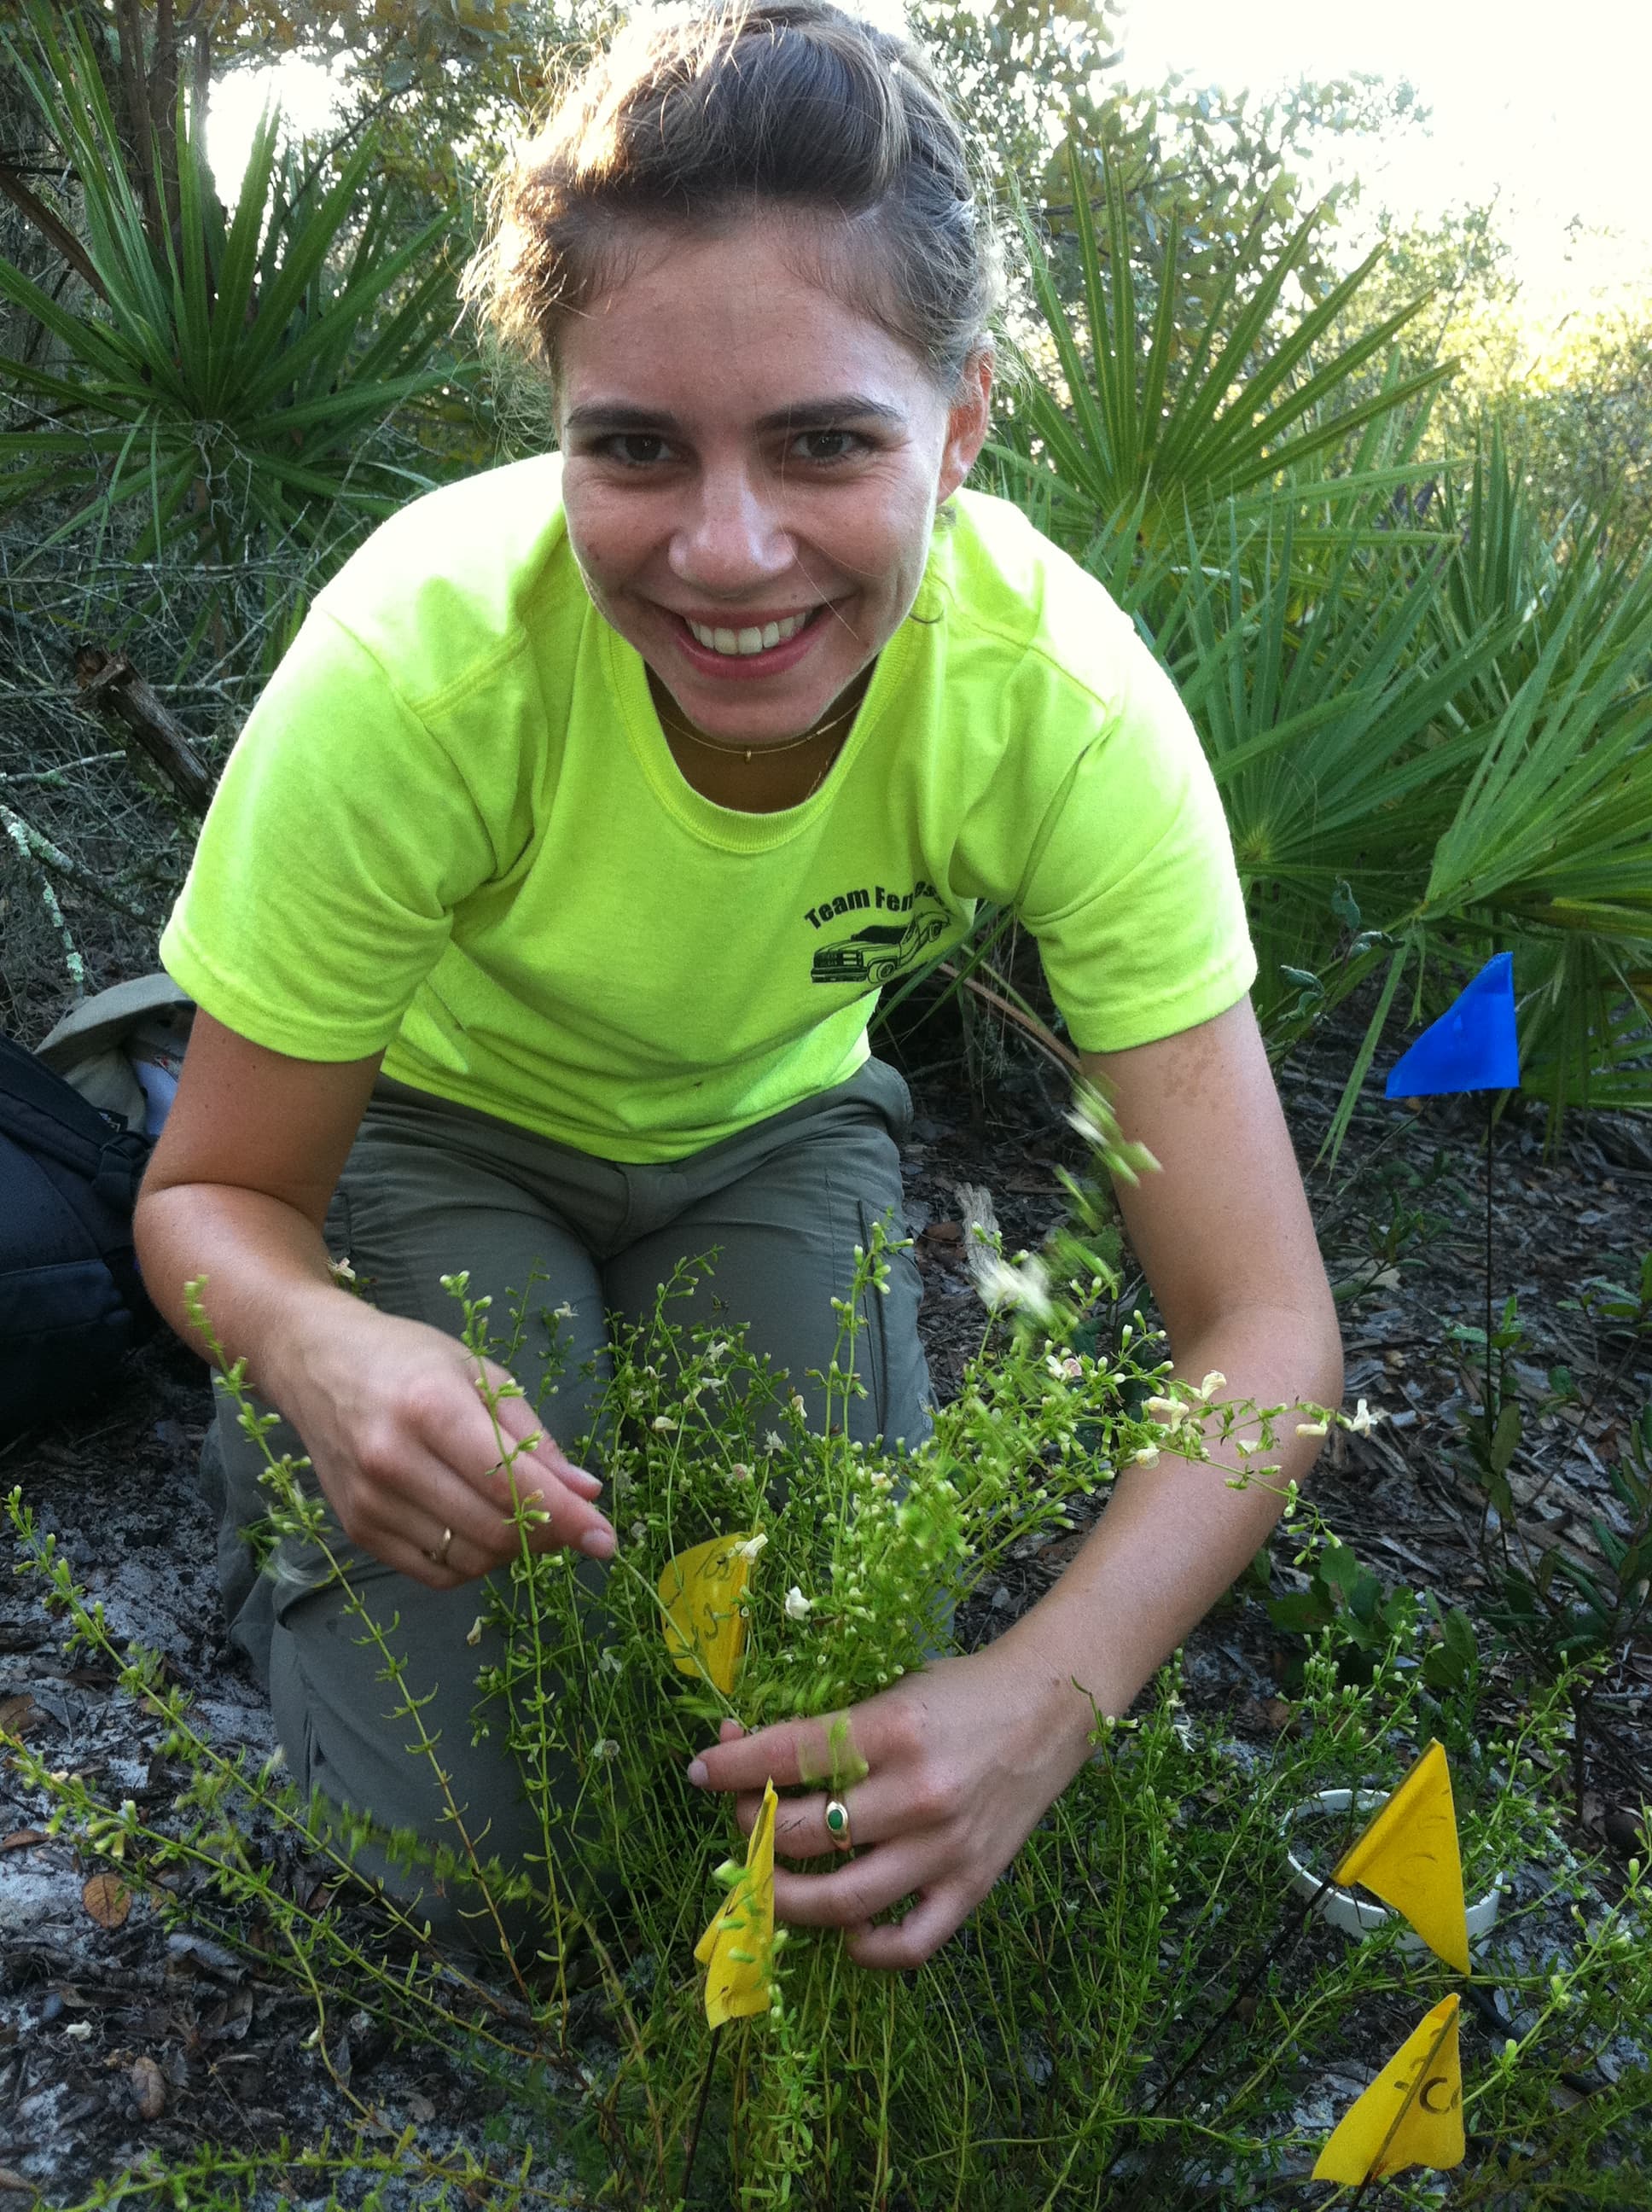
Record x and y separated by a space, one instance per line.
71 1301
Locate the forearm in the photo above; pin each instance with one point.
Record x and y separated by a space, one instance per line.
1175 1534
268 1281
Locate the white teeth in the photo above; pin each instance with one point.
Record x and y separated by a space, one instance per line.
746 642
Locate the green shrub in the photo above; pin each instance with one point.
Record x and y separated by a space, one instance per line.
1022 2065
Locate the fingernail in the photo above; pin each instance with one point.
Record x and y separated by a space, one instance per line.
599 1543
697 1773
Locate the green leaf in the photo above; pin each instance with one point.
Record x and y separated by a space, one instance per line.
1301 1611
1505 1438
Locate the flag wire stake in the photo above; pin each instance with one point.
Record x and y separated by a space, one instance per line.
699 2108
1288 1935
1406 2102
1491 1131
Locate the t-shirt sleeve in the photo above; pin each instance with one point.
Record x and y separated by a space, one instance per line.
1132 891
338 844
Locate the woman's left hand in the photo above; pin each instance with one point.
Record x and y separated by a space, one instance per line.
961 1762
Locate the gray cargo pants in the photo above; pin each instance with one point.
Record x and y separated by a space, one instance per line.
432 1188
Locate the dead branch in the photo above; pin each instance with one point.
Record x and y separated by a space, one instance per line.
109 682
36 846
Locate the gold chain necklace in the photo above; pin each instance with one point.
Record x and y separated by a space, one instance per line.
676 729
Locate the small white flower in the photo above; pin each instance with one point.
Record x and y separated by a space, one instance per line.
1311 1428
610 1659
717 1349
1246 1445
795 1404
663 1423
1168 1413
1088 1127
1147 1456
798 1608
997 1283
1361 1421
563 1312
740 1471
605 1748
341 1270
1065 1371
639 1531
1215 1381
773 1442
748 1550
474 1635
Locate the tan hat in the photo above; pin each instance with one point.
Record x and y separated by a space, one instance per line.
88 1047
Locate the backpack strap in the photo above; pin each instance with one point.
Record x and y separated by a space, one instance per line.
40 1112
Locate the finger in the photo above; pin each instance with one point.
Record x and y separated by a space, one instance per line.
523 1477
788 1753
521 1427
532 1456
729 1730
411 1507
861 1888
900 1945
801 1832
417 1503
421 1567
888 1803
464 1444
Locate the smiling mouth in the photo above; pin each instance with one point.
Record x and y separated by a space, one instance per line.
743 644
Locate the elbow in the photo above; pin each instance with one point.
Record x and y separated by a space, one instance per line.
1326 1354
1332 1358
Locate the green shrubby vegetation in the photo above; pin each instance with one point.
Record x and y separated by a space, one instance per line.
1137 2006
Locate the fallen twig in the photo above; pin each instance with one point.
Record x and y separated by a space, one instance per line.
36 846
109 682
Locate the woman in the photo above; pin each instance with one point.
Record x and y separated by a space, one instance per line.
540 917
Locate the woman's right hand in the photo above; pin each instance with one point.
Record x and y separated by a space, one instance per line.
411 1456
403 1441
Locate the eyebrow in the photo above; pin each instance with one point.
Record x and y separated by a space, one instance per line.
833 413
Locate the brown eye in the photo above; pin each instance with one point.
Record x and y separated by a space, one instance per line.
822 447
637 449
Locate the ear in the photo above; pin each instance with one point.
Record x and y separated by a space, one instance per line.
966 422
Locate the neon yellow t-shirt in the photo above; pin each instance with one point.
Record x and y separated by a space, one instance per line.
452 828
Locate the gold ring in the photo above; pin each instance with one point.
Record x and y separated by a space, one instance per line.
837 1825
439 1558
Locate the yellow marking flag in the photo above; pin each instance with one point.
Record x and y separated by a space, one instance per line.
700 1590
1409 1856
1412 2114
738 1949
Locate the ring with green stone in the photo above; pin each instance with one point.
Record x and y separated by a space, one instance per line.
837 1823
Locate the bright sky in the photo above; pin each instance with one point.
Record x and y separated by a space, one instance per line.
1543 104
305 93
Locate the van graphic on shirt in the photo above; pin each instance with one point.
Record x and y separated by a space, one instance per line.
875 954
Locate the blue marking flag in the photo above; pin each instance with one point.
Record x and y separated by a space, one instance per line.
1472 1046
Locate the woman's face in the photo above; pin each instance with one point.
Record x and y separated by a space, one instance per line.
752 471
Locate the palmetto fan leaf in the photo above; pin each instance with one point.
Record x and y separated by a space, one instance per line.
231 380
1178 413
1426 712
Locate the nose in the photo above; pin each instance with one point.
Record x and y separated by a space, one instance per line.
732 535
